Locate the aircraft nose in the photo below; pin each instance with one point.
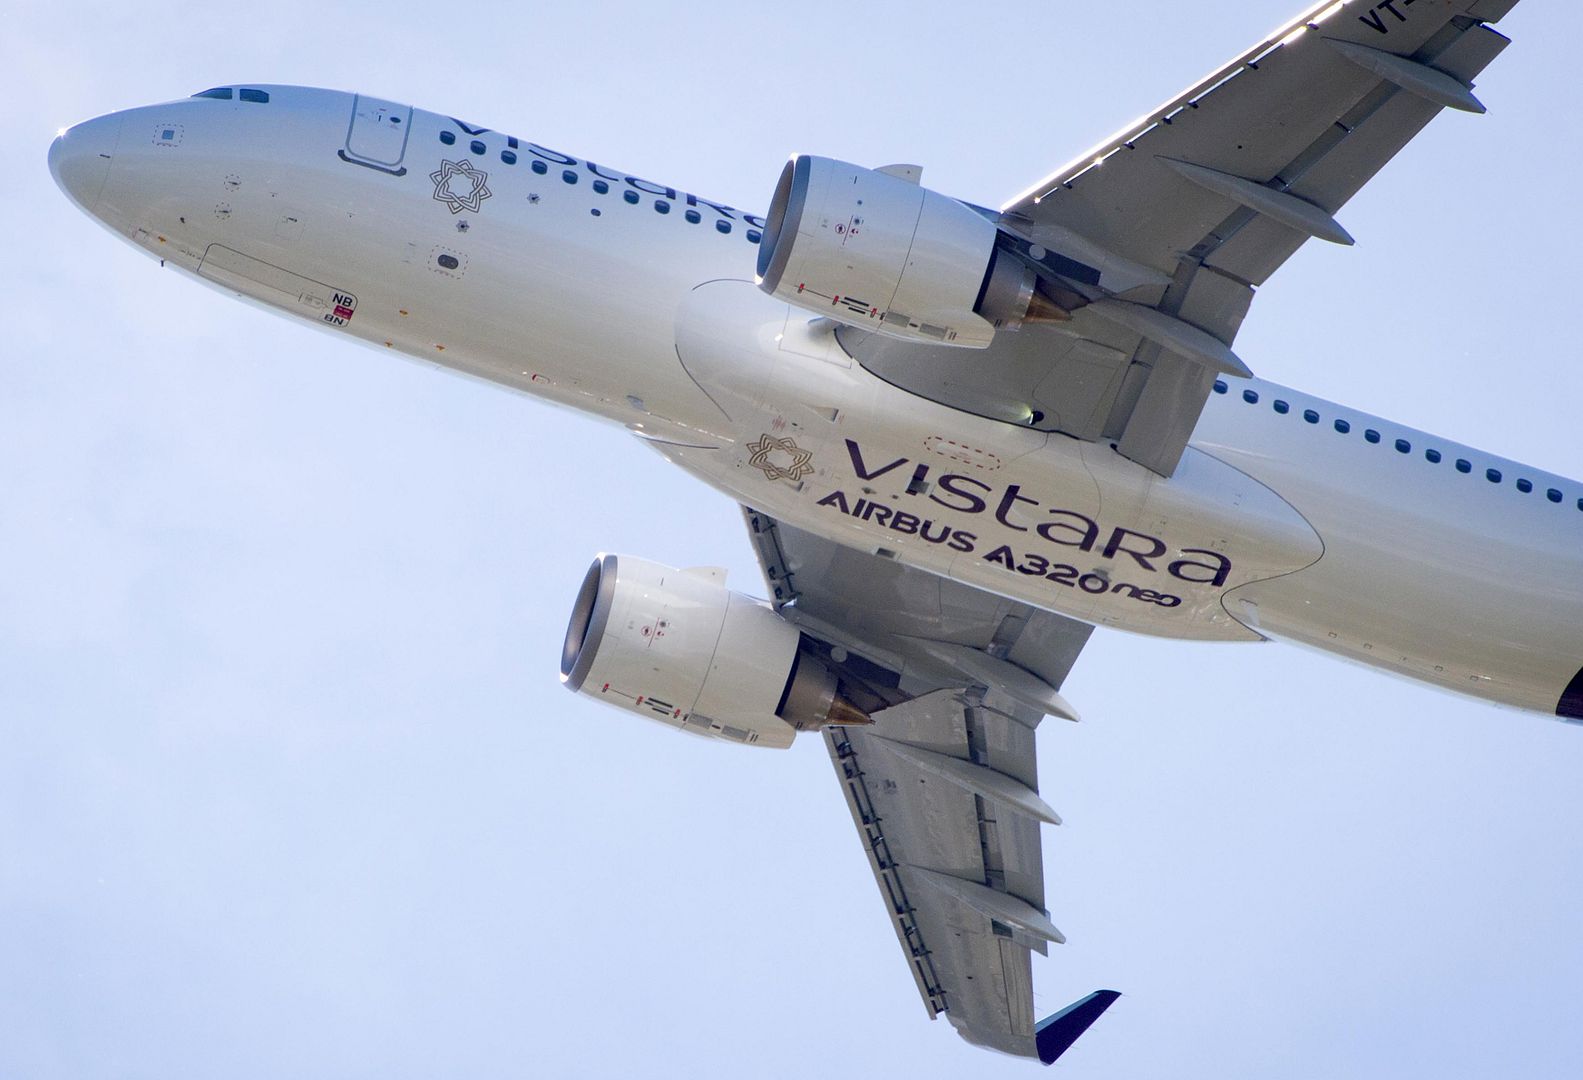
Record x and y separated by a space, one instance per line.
80 158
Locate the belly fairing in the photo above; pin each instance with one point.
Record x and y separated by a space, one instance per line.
825 446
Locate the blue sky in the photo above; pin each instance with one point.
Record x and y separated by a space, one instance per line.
288 784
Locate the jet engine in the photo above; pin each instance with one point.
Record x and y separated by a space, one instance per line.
677 646
874 250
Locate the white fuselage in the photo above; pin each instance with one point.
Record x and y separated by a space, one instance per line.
634 302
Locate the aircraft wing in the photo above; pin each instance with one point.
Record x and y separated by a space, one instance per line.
1170 226
943 787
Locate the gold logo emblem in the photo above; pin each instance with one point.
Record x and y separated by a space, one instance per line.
780 459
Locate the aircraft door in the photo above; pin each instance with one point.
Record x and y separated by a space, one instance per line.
377 134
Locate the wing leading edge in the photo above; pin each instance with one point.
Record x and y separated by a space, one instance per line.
1184 213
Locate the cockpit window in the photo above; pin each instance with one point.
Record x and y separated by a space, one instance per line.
223 93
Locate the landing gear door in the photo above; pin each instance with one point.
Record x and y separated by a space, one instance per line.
377 134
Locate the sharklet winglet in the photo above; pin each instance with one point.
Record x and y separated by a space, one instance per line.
1054 1035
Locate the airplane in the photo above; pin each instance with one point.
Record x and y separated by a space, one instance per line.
962 436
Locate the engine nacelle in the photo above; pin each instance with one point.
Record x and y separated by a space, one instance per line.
678 647
881 253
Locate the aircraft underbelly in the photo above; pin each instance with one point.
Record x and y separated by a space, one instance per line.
1452 580
825 446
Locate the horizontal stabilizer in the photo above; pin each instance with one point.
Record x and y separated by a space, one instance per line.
1054 1035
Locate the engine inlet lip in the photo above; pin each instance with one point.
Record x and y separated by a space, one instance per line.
785 214
586 627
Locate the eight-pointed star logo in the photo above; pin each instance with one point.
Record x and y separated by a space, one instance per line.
780 459
460 186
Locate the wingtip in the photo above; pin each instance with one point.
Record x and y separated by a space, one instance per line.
1054 1035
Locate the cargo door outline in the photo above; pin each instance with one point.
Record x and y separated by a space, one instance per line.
377 134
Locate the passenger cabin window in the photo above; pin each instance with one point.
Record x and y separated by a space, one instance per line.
1343 427
259 96
448 138
219 93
